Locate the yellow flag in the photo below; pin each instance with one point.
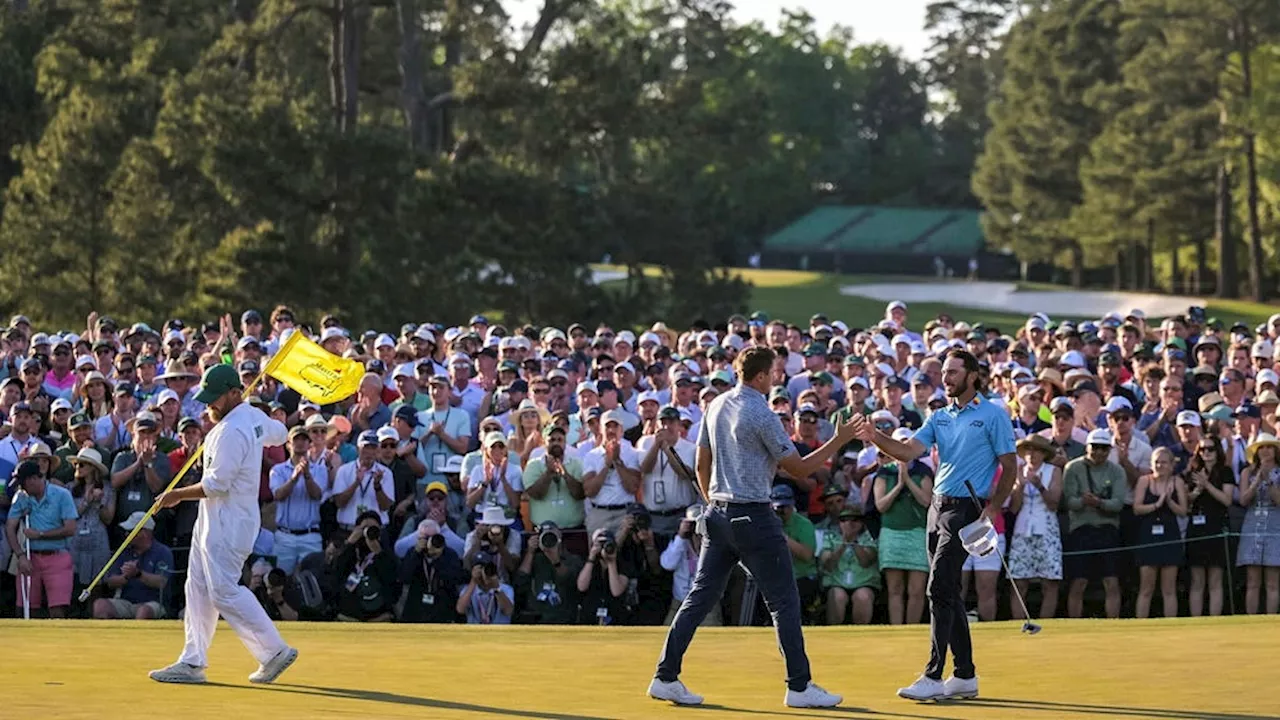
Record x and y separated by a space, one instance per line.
317 374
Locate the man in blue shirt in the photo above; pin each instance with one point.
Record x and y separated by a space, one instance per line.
138 576
974 438
50 516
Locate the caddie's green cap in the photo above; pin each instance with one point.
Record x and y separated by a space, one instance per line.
218 381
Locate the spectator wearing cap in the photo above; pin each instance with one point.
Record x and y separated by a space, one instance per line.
59 416
60 381
815 361
806 439
139 472
33 372
104 353
363 485
297 488
496 482
902 492
444 432
891 400
553 485
431 574
369 411
611 475
45 515
1111 378
398 450
1030 400
850 568
251 324
1063 432
79 436
1094 490
147 385
138 577
167 408
179 379
666 469
1035 546
465 394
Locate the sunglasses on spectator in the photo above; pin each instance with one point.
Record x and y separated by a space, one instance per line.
884 426
1121 416
318 431
808 419
61 353
31 371
104 351
602 369
559 383
541 390
1205 448
389 445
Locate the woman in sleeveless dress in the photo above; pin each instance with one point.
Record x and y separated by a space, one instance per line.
1259 552
1159 499
1035 551
1210 487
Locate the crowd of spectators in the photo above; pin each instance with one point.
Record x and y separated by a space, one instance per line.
491 475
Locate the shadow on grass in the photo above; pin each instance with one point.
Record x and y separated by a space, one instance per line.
379 696
1036 706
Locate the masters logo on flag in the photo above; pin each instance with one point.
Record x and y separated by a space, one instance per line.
317 374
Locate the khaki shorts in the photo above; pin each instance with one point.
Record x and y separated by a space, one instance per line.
125 610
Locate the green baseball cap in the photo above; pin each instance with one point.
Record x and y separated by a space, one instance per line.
218 381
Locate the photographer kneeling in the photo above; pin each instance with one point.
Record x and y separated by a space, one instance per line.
366 572
486 600
431 573
603 581
547 578
493 535
279 595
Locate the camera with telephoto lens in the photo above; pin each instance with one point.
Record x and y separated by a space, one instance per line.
640 517
435 542
372 533
607 542
549 538
276 578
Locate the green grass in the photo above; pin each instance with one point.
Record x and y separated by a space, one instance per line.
794 296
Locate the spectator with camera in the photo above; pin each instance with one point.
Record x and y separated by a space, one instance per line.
297 487
547 578
553 485
279 596
364 485
138 577
850 569
666 467
486 600
494 536
431 574
366 573
603 581
649 587
680 558
433 507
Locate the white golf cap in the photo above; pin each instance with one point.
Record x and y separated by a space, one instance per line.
1099 437
62 404
1263 349
650 338
133 520
1188 417
1118 403
386 432
1073 359
331 333
1060 403
895 305
383 340
1267 376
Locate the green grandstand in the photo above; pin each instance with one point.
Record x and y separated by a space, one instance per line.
836 237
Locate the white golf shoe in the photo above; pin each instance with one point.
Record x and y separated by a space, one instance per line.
179 673
811 697
274 667
961 689
923 689
674 691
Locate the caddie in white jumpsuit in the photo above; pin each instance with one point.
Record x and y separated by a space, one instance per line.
224 534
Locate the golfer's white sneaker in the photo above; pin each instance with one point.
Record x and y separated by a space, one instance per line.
811 697
180 673
675 691
277 664
961 689
923 689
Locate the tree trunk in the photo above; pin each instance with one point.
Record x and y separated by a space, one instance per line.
1134 267
336 94
1256 271
351 20
1117 272
1077 265
1228 276
1149 282
1175 279
412 94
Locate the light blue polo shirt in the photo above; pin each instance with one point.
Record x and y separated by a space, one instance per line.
970 441
47 513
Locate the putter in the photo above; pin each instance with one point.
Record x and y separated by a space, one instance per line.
1028 627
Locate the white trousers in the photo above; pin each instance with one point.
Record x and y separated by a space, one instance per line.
213 587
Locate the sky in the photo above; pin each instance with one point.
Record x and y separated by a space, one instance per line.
899 23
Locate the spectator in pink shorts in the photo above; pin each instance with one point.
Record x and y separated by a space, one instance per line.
50 514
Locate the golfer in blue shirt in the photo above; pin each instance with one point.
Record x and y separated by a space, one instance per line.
973 437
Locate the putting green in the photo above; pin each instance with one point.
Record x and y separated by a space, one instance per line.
1217 669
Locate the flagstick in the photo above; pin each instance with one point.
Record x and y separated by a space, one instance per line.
172 484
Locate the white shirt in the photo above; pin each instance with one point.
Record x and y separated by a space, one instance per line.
1035 518
494 494
663 488
1139 455
366 495
229 518
612 492
680 559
